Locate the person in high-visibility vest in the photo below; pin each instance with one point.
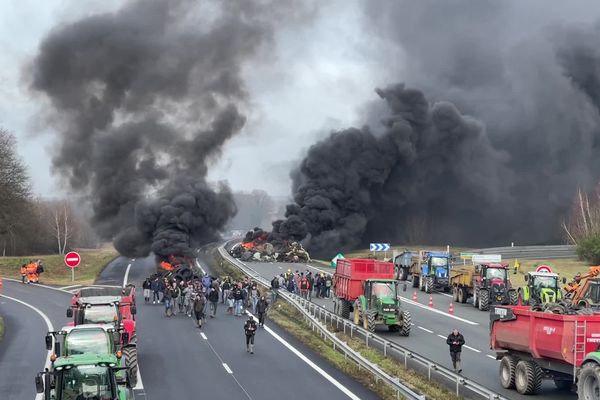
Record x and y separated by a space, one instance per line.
517 266
23 273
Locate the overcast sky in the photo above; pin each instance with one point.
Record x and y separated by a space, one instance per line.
321 78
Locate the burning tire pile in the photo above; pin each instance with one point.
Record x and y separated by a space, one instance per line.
258 245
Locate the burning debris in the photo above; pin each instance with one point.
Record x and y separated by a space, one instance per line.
259 245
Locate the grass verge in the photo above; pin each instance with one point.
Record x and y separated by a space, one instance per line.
566 268
55 270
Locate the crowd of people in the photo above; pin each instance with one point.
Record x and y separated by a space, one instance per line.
304 284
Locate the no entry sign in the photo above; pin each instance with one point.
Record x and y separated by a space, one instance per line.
72 259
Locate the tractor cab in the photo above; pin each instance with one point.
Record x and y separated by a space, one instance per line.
381 294
436 264
100 310
84 377
493 274
542 288
84 339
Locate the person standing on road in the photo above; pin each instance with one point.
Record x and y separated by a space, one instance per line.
254 296
199 304
261 309
304 286
146 286
213 298
328 286
250 330
226 287
455 341
154 286
238 299
168 298
274 288
23 273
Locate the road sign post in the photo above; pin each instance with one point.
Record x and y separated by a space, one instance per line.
72 260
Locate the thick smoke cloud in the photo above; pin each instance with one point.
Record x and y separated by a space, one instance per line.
143 99
491 149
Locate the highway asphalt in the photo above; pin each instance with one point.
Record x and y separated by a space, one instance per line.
177 360
431 327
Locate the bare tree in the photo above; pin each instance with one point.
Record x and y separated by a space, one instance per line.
62 224
584 220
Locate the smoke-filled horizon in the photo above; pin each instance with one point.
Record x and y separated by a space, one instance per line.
143 99
496 128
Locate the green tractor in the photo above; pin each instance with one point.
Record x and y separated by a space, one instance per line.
95 339
85 376
542 288
379 305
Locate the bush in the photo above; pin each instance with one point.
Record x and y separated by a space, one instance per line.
588 249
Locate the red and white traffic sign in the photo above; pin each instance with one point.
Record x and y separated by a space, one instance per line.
72 259
543 268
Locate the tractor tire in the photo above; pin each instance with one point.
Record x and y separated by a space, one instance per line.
406 323
507 371
588 384
462 295
513 297
429 284
415 281
484 300
402 274
555 308
455 294
528 377
131 362
585 311
369 320
344 308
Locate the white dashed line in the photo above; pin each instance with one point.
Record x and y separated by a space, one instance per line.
424 329
443 337
470 348
492 357
203 336
229 371
414 303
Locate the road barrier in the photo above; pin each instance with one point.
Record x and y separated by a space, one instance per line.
532 252
318 318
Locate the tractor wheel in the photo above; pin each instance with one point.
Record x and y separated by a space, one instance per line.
131 362
406 323
555 308
369 320
585 311
513 297
429 284
402 274
415 281
588 385
507 371
462 295
476 298
528 377
344 308
455 293
484 300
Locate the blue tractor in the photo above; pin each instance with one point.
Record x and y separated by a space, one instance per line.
432 272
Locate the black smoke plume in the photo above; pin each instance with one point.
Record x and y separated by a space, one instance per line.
490 150
143 99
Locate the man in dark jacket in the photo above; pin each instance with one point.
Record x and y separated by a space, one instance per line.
199 304
213 298
238 297
146 286
250 330
261 309
274 287
455 341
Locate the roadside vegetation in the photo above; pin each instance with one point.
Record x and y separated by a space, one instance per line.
565 268
55 270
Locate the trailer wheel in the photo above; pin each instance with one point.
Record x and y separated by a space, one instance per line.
462 295
507 371
484 300
528 377
429 284
455 293
588 385
415 281
344 308
406 323
131 362
369 320
513 297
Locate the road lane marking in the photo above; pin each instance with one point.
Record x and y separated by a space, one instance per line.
414 303
200 266
203 336
492 357
441 336
314 366
424 329
39 396
227 368
40 285
69 287
126 275
470 348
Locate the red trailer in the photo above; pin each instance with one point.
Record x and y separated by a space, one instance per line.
350 275
535 345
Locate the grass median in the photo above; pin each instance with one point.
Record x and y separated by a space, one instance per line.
55 270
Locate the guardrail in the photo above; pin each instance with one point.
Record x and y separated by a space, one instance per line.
532 252
320 316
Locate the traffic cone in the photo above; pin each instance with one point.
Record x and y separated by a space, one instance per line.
430 301
414 296
451 309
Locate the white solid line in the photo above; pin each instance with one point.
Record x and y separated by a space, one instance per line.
200 266
441 336
470 348
492 357
445 294
227 368
424 329
314 366
40 285
203 336
140 384
39 396
126 275
69 287
414 303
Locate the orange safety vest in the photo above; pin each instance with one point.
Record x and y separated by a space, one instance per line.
23 270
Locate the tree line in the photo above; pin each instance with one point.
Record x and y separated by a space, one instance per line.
33 225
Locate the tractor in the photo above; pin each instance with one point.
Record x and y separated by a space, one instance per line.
432 272
379 305
487 283
542 288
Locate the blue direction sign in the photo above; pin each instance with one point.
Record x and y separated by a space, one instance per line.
379 247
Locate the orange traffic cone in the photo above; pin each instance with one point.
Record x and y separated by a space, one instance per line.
451 309
430 301
414 296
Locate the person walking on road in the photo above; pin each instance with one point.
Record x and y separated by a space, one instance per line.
274 288
213 298
168 299
455 341
146 286
254 296
199 304
304 286
250 330
261 309
226 287
238 298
